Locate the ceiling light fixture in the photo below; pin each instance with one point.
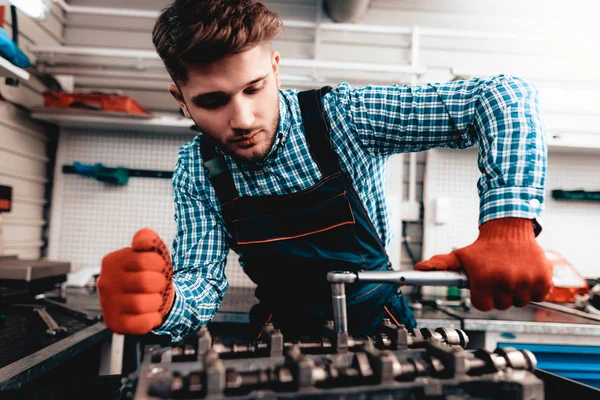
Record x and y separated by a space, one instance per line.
36 9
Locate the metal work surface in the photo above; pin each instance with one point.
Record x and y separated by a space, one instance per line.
23 331
530 319
429 317
84 300
26 369
28 351
27 270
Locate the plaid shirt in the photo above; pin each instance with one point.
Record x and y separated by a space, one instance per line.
367 125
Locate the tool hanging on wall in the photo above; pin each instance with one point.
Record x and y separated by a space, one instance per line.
113 175
576 195
9 47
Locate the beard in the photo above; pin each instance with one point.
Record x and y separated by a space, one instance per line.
259 151
263 148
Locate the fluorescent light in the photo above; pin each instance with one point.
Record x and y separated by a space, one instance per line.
35 9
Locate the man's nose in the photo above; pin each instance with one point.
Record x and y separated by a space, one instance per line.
242 117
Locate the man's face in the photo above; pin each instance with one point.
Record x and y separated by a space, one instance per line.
235 101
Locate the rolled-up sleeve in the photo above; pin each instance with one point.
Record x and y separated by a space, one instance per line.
199 257
500 114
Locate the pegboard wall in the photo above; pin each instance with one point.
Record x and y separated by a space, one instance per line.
90 219
571 228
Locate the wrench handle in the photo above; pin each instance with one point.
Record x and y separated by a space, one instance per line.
415 278
53 328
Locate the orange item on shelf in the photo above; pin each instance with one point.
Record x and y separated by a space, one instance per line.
94 101
567 283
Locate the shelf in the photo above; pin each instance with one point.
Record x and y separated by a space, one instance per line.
84 119
574 142
99 120
10 70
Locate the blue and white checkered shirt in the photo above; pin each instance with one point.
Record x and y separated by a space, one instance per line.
368 125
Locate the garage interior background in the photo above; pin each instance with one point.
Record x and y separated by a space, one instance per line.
99 46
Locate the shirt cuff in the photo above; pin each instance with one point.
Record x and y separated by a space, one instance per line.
513 201
173 320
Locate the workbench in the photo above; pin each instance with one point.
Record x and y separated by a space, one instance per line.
529 327
567 345
29 356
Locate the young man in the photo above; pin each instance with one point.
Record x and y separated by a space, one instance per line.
295 183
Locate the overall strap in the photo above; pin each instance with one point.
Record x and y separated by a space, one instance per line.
217 170
316 131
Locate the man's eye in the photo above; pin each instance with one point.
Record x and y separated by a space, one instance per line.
254 90
212 103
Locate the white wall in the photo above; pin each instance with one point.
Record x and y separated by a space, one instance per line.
23 167
90 218
23 142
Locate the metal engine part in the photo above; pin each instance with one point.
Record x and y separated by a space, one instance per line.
424 364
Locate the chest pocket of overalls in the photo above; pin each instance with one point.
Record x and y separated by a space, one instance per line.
314 224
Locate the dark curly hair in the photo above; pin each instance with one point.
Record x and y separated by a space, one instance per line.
195 32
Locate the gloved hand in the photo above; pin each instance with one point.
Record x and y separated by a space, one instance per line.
136 285
505 265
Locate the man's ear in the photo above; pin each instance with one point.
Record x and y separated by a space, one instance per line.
179 97
275 64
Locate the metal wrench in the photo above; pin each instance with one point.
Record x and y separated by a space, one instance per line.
413 278
338 280
53 328
69 309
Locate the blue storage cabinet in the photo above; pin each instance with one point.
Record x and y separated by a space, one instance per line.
579 363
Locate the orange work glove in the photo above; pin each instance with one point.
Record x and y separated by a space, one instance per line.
136 285
505 265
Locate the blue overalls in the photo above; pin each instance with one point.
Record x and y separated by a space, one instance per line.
290 242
